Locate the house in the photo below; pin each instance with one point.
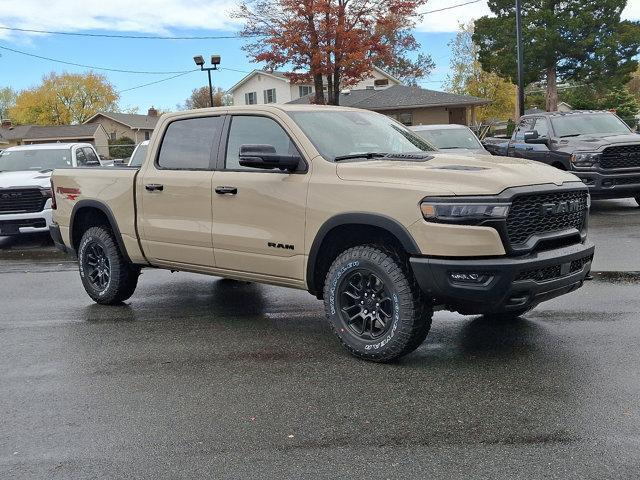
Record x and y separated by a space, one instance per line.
564 107
94 134
118 125
261 86
412 105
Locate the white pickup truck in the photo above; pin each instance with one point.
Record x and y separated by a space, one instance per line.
25 182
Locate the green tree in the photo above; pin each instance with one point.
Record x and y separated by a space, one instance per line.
65 98
621 101
7 100
564 40
121 148
468 78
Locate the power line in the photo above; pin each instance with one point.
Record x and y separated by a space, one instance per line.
92 67
450 7
113 35
158 81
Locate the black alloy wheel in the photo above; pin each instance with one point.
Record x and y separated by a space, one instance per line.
97 267
365 304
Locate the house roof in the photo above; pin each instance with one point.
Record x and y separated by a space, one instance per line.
133 121
37 132
401 96
56 132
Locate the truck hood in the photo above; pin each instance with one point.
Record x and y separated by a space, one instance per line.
450 174
25 179
593 143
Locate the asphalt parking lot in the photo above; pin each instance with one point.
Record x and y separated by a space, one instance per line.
197 377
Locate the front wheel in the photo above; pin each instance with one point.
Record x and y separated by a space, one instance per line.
374 306
106 276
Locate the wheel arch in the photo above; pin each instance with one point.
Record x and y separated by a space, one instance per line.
80 215
368 222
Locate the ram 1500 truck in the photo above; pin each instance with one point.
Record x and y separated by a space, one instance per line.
25 186
598 147
347 204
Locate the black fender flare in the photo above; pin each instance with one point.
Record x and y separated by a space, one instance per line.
384 222
110 217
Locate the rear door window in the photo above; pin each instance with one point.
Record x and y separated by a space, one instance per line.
189 144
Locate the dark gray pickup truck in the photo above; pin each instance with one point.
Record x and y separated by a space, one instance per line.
598 147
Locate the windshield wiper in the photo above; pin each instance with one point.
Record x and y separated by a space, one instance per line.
571 135
367 155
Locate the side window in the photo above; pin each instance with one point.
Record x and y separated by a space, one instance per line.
525 125
248 130
81 157
188 144
90 155
541 127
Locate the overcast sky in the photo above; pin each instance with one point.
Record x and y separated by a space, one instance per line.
168 17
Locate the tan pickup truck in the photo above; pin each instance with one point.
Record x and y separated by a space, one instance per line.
347 204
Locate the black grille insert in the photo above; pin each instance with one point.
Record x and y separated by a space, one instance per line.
624 156
548 212
21 200
554 271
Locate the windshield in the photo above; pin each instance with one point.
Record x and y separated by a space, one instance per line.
338 133
588 124
448 138
41 159
138 156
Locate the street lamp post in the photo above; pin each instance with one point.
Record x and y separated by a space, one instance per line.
520 58
215 61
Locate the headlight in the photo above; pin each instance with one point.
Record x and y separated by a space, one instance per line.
463 212
585 159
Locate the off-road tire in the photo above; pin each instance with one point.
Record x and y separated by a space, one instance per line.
411 313
123 276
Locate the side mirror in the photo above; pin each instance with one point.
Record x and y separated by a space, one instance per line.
265 157
533 137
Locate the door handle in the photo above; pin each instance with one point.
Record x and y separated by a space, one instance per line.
226 190
529 149
152 187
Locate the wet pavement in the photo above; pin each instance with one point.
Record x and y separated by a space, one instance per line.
197 377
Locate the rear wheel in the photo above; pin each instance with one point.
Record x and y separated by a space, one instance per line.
106 276
374 305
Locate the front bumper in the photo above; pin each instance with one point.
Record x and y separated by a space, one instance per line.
516 283
611 185
17 223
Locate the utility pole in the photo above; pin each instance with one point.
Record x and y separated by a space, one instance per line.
520 57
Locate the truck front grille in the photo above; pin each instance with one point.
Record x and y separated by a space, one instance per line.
553 272
624 156
21 200
540 213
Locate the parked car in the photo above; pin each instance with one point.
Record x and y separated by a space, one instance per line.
138 154
596 146
25 189
344 203
457 139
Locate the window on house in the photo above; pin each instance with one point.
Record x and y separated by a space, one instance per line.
405 118
305 90
270 95
381 82
146 135
112 136
250 98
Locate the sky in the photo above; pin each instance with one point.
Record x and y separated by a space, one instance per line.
170 18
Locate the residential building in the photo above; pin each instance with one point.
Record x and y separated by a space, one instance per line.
94 134
412 105
261 86
133 126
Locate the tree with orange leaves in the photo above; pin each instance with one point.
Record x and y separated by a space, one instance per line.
334 40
